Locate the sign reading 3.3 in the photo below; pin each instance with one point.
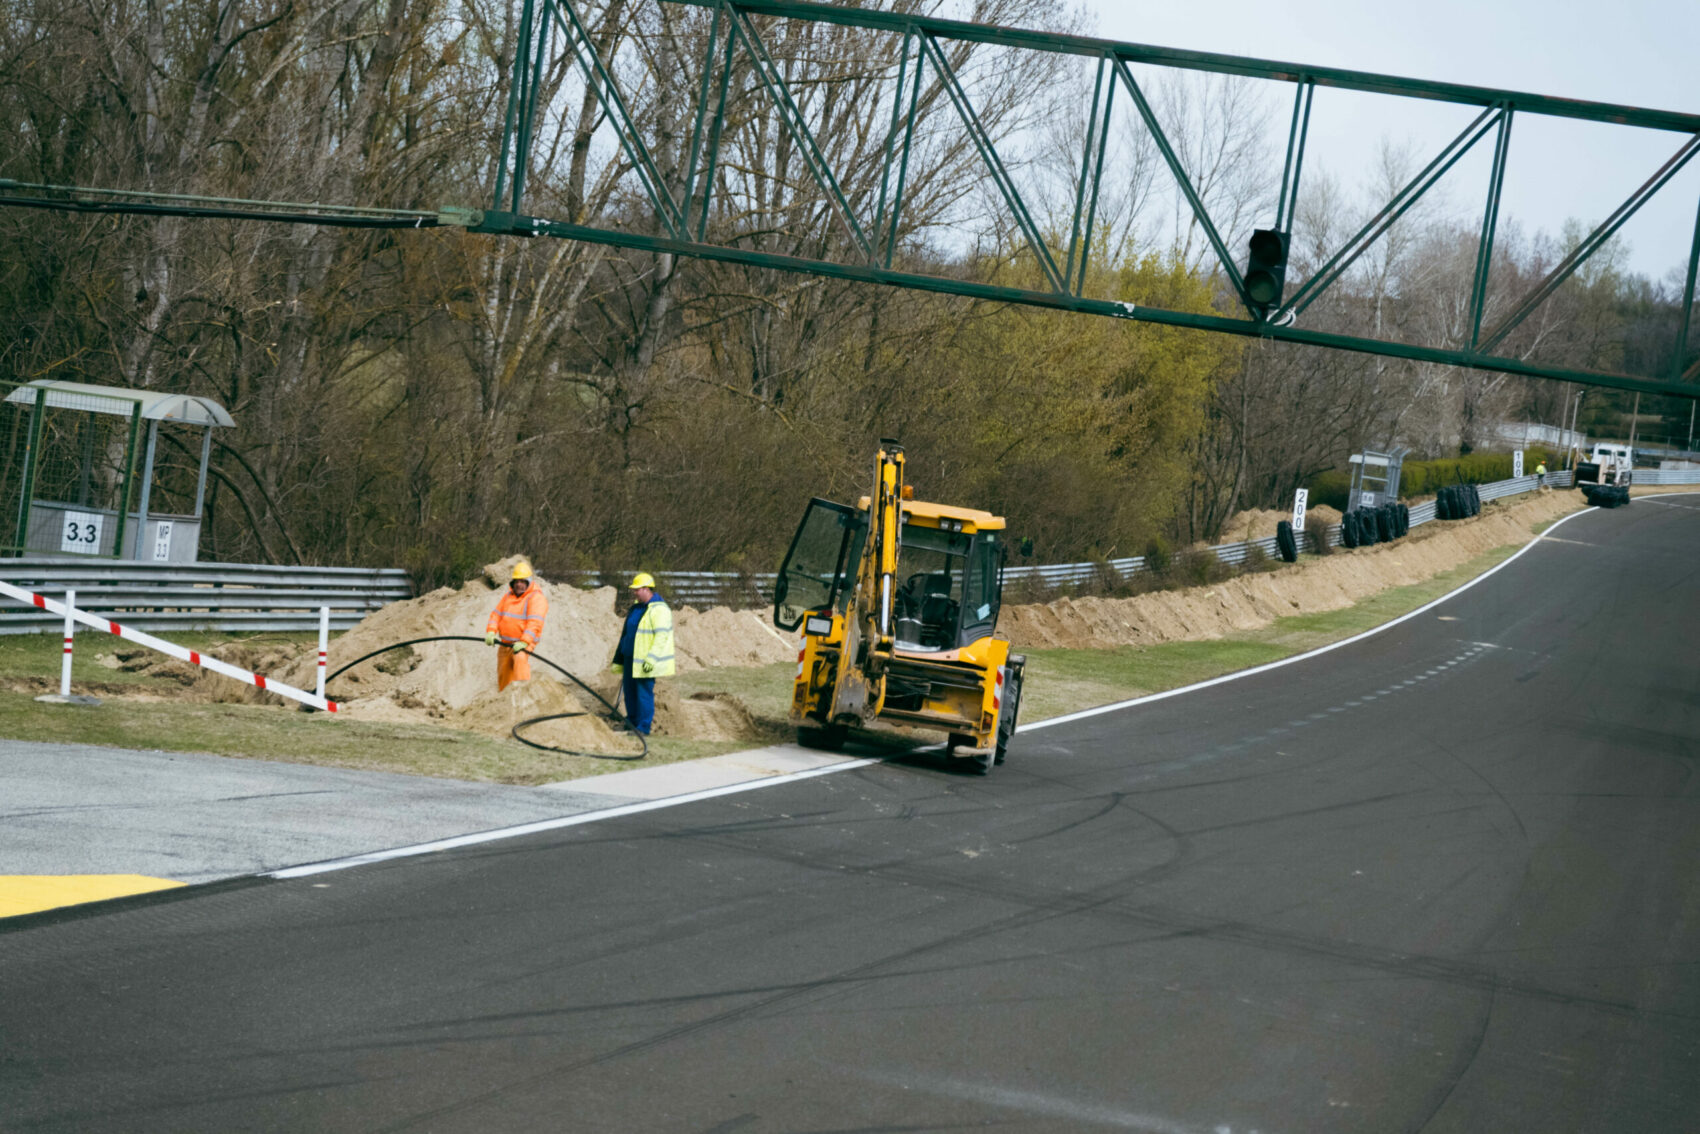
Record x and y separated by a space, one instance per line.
81 532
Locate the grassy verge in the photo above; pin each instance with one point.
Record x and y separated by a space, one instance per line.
1066 681
1060 681
29 656
263 733
765 690
143 710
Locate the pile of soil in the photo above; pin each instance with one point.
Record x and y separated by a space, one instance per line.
454 683
1310 586
1259 523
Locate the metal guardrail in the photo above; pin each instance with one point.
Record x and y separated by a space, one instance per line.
233 596
202 596
689 588
1643 477
710 588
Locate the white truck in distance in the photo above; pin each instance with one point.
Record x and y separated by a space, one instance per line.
1608 464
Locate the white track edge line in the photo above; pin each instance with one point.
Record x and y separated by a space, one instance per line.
1267 666
541 825
556 824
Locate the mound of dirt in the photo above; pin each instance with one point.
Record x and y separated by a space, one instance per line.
454 683
1310 586
1259 523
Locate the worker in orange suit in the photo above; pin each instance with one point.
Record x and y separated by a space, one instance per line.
515 626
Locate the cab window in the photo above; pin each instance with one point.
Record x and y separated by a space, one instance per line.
931 573
983 590
812 576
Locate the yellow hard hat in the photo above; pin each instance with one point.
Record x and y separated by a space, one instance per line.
522 570
642 579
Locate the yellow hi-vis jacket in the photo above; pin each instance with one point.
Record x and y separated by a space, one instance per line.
519 617
652 646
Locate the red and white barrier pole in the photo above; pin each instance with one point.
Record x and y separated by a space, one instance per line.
171 649
70 632
324 646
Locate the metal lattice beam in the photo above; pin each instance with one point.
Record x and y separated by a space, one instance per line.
1064 268
683 206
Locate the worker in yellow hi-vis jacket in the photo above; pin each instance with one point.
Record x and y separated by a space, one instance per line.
645 652
516 624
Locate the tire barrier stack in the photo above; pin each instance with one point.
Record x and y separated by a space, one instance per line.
1458 502
1606 495
1366 527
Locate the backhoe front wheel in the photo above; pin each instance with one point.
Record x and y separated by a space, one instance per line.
828 739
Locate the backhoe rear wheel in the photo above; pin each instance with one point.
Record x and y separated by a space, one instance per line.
982 762
1011 714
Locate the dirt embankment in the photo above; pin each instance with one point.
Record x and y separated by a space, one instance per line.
453 683
1259 523
1312 585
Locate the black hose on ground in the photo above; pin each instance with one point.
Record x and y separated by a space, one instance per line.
613 713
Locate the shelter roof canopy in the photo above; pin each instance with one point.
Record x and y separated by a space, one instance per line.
188 409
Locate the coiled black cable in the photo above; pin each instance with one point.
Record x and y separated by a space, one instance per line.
613 712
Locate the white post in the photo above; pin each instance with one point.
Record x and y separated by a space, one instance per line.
324 645
70 632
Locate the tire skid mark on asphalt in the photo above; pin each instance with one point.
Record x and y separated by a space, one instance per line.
824 988
1068 1108
1473 653
1466 1059
855 766
1110 900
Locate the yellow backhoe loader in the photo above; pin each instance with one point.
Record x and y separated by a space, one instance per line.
898 603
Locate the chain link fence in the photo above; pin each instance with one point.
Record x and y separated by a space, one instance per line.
66 471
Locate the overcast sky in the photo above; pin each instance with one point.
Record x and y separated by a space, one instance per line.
1637 52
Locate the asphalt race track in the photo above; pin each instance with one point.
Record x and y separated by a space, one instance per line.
1443 879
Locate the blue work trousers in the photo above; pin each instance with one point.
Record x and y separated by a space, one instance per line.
639 693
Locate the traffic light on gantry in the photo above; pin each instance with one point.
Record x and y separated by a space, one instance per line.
1266 271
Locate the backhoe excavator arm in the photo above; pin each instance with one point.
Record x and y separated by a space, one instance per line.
869 636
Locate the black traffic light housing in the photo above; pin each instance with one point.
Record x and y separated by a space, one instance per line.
1266 271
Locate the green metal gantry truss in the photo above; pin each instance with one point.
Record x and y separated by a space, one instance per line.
549 29
682 208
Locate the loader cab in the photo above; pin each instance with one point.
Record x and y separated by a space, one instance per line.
950 573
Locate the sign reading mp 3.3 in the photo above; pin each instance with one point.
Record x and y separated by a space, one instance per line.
81 531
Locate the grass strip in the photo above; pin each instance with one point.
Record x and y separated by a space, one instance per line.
261 732
1065 681
1059 681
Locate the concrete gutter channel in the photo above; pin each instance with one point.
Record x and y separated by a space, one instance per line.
74 812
